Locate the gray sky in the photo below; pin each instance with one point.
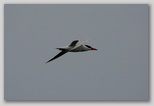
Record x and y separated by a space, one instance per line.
117 71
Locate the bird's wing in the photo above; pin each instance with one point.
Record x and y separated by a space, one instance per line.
58 55
79 43
74 43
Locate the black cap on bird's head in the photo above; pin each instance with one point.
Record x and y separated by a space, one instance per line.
91 48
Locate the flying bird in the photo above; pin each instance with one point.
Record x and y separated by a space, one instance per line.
75 46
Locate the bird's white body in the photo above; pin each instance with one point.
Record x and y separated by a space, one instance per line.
81 48
73 49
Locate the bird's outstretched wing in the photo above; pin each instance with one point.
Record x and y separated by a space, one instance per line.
74 43
58 55
79 43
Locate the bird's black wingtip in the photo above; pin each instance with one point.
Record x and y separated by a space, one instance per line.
46 62
49 61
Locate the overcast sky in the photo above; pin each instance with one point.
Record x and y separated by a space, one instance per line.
117 71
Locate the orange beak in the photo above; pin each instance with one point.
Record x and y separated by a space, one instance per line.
93 49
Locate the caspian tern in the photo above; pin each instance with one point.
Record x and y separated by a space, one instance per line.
75 46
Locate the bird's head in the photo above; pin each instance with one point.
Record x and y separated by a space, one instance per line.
90 48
